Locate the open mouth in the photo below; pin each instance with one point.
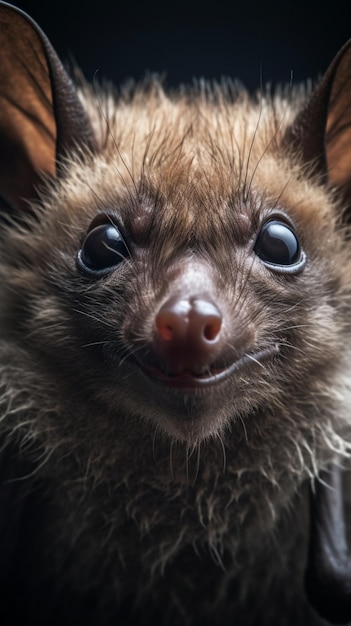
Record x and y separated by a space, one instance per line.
191 380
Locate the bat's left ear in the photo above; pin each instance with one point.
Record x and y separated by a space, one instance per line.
41 117
322 130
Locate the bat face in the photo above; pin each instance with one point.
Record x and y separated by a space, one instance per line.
174 268
182 271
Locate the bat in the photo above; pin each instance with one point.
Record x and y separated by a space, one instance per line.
175 343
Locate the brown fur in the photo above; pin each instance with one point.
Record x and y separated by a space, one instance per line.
147 503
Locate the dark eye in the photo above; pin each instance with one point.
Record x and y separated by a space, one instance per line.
278 245
102 250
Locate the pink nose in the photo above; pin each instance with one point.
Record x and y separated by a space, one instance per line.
188 331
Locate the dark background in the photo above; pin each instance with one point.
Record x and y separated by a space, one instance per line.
182 40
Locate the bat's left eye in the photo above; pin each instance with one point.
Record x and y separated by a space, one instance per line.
102 250
279 248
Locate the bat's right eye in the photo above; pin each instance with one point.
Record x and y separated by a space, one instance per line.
103 249
278 247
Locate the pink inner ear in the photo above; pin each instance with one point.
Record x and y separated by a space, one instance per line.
321 133
339 160
41 115
27 123
338 132
28 156
36 129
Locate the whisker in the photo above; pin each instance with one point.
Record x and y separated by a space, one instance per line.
171 459
270 142
114 141
242 421
97 343
246 188
119 254
187 464
197 469
95 318
224 453
249 356
155 435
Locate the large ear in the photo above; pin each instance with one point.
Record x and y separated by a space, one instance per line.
328 572
322 130
41 117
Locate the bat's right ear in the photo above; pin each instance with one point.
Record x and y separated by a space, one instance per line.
41 117
321 133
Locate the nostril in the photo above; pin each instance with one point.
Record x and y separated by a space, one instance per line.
206 319
165 327
212 329
167 331
173 319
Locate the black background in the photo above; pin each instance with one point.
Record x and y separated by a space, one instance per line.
185 39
